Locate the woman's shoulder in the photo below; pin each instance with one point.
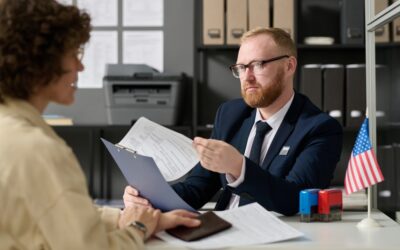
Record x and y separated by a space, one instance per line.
20 135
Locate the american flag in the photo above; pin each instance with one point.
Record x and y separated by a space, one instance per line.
363 169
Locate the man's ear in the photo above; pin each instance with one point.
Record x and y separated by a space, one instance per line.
292 65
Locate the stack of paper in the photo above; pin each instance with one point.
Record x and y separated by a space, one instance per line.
251 224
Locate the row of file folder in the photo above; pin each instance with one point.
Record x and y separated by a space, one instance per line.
396 28
243 15
340 90
382 34
353 28
225 21
388 194
342 20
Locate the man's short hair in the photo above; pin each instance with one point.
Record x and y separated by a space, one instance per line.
34 37
281 38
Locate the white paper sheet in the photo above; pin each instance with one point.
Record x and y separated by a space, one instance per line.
251 224
172 152
143 13
101 49
102 12
144 47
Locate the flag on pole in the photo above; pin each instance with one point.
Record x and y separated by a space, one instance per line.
363 169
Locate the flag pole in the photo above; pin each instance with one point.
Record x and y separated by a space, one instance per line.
368 222
370 69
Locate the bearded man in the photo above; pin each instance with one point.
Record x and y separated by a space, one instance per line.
267 146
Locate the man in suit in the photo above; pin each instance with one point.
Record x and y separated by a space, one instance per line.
299 148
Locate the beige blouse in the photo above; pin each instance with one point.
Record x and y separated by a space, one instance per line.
44 202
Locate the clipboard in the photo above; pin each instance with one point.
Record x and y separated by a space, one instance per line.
142 173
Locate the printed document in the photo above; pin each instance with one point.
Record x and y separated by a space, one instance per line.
251 224
172 152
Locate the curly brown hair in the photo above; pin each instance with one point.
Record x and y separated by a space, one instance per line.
34 36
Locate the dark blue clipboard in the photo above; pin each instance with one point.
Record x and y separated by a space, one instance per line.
142 173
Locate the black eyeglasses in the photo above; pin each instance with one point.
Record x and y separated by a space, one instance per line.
257 67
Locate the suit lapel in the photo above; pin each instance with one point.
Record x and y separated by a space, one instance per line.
280 137
244 132
240 142
284 130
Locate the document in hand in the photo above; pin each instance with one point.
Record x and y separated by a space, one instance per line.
173 152
251 224
149 153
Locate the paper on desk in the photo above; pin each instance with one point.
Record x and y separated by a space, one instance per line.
251 224
142 173
172 152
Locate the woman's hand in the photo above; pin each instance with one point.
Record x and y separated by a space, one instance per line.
177 218
146 215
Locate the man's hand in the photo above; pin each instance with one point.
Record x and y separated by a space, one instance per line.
218 156
131 198
176 218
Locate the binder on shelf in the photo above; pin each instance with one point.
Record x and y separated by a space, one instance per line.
387 189
258 13
382 33
213 22
333 91
352 22
355 95
311 83
396 29
236 20
283 16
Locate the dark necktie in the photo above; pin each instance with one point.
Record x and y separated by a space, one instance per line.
262 128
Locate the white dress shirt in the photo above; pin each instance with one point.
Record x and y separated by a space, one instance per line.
274 122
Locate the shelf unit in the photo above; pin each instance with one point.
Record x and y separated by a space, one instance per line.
213 83
372 23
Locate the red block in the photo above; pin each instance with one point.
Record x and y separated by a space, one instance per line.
330 205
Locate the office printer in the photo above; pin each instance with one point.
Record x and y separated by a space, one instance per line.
135 90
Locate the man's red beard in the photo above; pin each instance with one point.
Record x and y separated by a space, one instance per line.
264 96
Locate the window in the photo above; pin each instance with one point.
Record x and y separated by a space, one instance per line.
124 31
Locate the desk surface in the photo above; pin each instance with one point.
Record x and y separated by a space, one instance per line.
329 235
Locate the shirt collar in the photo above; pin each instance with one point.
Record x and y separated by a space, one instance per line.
276 119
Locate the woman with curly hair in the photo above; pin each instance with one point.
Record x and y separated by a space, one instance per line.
44 202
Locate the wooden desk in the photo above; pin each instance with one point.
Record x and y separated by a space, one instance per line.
328 235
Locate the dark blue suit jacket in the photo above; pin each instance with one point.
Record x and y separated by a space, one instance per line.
315 141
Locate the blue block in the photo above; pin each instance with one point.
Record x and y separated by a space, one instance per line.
308 201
